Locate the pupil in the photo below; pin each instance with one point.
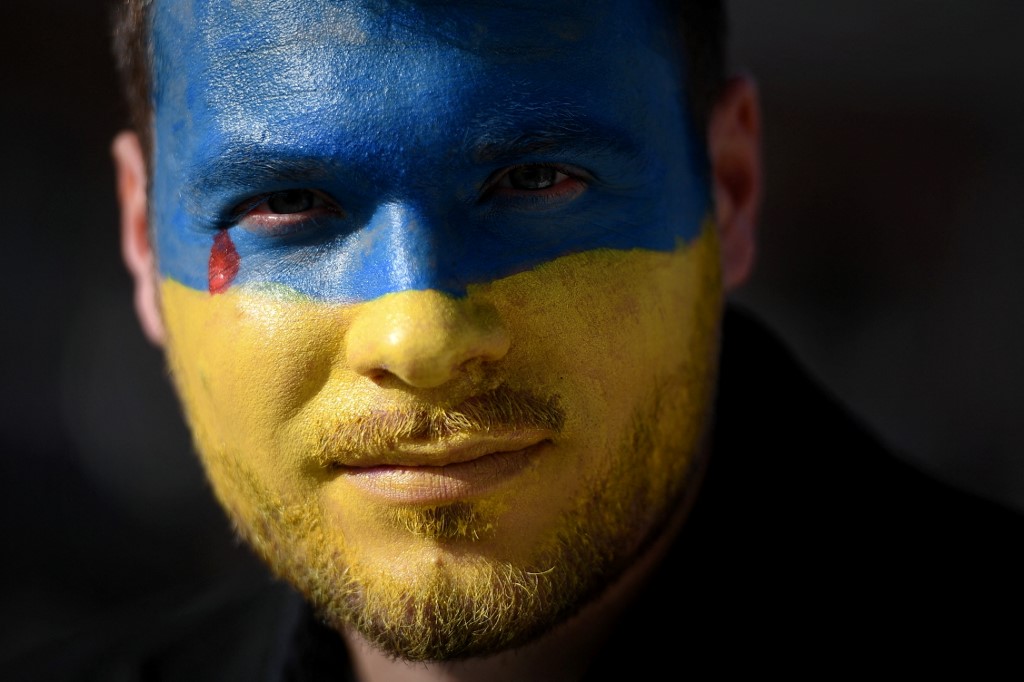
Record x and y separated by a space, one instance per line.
532 177
290 201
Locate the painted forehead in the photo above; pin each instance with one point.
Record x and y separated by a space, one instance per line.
401 113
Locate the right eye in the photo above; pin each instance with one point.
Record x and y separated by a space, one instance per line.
285 212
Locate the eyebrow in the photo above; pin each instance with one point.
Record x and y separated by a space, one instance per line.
503 137
233 172
239 166
496 139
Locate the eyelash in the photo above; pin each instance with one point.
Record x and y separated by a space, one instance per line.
573 182
569 183
282 224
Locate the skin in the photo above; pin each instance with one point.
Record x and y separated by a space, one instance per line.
449 402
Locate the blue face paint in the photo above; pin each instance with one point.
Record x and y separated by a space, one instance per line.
403 118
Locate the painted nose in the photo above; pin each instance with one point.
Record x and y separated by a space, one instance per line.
424 338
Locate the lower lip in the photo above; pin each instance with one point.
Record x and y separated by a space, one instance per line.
424 485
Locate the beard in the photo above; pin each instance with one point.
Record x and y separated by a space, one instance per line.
256 376
471 604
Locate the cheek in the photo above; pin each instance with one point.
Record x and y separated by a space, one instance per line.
601 328
245 362
627 342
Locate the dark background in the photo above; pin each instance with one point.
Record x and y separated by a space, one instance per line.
891 240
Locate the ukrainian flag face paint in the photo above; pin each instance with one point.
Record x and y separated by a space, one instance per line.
441 296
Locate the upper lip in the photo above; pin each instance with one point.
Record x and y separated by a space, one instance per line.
463 447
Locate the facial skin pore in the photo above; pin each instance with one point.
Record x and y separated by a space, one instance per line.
440 290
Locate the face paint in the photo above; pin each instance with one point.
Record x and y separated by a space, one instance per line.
441 298
408 131
224 262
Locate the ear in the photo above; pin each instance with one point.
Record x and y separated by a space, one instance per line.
135 245
734 147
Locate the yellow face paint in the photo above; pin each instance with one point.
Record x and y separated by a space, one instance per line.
610 355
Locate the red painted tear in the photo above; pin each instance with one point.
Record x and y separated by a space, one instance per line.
224 261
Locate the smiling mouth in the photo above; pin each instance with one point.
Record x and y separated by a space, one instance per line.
439 472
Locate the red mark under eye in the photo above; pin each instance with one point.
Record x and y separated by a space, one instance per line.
224 260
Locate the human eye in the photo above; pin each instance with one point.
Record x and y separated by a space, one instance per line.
285 212
536 184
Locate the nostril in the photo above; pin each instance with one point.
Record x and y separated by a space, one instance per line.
422 338
377 376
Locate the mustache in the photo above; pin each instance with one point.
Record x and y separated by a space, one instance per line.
377 432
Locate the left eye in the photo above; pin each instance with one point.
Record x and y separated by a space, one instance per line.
285 212
531 178
534 186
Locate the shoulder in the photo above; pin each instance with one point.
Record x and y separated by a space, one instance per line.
224 633
811 546
786 443
811 531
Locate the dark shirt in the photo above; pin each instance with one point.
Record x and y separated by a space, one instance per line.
810 550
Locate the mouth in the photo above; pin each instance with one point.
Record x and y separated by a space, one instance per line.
444 471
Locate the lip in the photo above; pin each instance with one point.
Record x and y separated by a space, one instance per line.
440 472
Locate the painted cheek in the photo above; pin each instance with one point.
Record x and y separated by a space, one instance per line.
605 325
223 264
604 330
245 363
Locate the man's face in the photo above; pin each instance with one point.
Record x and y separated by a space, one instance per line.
441 295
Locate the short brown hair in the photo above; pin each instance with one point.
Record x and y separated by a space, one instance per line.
132 56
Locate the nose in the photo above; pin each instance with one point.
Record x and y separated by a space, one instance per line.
424 338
